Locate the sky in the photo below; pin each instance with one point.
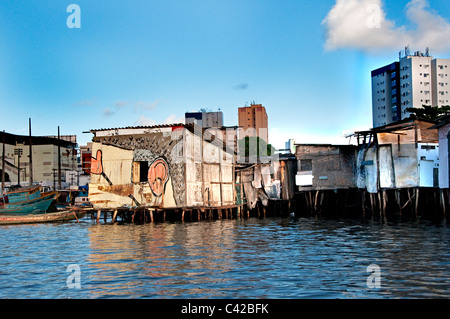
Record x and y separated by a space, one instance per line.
129 63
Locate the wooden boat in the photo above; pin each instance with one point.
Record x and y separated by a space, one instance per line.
42 218
26 200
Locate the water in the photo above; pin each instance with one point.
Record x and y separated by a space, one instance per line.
254 258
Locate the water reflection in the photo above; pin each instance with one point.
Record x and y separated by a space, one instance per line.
271 258
255 258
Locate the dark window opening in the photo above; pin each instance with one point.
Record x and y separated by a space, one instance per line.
143 171
305 165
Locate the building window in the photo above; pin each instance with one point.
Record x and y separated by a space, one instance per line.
306 165
140 172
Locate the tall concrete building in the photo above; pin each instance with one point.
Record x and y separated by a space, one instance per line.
253 120
204 119
415 80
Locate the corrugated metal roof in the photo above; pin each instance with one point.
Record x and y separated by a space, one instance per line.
138 127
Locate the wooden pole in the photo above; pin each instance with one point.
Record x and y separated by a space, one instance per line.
363 200
31 153
98 216
3 164
114 216
75 214
59 161
417 202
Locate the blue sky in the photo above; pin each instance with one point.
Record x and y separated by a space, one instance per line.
148 62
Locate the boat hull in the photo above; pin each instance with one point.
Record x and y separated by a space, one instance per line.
36 206
42 218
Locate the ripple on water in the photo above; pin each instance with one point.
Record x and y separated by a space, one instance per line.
255 258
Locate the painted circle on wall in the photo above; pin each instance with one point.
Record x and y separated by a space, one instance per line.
158 175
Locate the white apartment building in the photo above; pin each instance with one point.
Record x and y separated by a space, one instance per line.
44 158
414 81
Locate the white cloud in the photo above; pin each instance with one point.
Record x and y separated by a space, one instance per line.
362 24
173 119
146 106
145 121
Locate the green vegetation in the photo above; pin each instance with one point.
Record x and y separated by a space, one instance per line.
428 112
252 145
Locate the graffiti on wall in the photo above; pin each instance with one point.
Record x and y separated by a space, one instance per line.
150 148
97 166
158 175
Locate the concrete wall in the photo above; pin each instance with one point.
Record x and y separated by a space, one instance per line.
333 166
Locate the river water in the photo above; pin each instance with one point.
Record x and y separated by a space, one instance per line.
279 258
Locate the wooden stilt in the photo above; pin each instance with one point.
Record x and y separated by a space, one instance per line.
380 204
151 214
363 202
417 202
182 216
310 202
114 216
398 200
98 216
315 201
372 203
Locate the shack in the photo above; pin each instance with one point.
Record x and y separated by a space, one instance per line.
443 127
398 161
325 176
325 167
164 166
404 154
267 183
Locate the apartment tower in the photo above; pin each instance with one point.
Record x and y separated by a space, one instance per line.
253 120
415 80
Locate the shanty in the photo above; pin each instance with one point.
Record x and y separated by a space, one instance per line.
180 168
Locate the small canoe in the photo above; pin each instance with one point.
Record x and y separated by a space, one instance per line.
42 218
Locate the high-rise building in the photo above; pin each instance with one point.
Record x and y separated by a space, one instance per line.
253 120
415 80
204 119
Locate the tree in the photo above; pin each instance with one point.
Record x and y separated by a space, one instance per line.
251 146
428 112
